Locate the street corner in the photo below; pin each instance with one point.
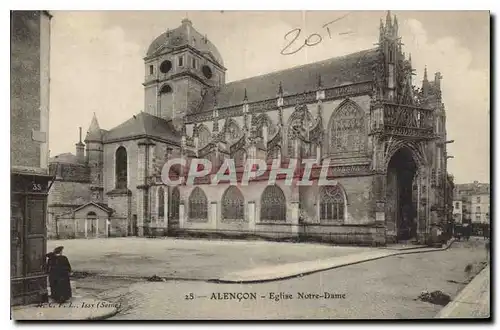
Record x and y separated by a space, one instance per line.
76 309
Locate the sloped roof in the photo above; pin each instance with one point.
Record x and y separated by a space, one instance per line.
94 133
144 124
67 157
102 206
337 71
183 35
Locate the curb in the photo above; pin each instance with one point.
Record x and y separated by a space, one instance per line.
390 254
456 302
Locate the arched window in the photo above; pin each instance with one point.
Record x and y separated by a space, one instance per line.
298 125
198 205
232 131
161 202
203 136
174 204
121 168
273 204
263 121
346 129
233 204
166 89
331 204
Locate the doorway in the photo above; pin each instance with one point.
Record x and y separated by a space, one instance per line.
401 215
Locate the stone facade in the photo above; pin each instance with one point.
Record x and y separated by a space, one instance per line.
358 117
29 120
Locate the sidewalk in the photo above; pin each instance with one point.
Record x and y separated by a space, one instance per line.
473 301
279 272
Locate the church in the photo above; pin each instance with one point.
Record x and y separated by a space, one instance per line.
382 139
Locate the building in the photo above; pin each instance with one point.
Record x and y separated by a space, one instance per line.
475 201
30 72
457 211
384 140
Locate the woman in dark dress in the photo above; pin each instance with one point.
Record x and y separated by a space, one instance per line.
59 270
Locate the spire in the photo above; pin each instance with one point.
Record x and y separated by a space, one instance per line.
280 89
395 26
245 98
320 83
425 83
80 133
94 132
388 22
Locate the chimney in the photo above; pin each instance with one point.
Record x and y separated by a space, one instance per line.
80 149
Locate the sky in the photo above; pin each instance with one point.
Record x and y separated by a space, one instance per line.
97 63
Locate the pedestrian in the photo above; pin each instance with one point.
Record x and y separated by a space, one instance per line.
467 231
50 263
59 270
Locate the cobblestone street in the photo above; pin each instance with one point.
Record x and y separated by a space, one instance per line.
385 288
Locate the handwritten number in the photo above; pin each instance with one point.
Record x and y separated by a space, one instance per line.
189 296
37 187
308 40
296 30
311 40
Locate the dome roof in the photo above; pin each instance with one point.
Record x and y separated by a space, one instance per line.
185 34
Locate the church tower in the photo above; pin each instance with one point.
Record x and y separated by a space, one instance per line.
94 150
390 45
180 65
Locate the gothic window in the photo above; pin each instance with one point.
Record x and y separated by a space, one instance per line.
347 129
263 122
174 204
151 69
181 60
198 205
298 125
331 204
233 204
121 168
203 136
232 131
273 204
161 202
